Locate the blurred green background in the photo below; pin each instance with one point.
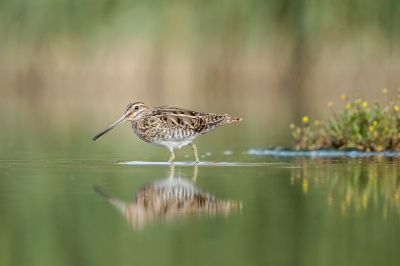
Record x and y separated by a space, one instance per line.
69 67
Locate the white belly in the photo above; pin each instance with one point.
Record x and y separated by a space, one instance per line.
174 143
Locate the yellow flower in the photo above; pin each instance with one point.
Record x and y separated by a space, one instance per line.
330 104
343 96
396 108
358 100
371 128
399 88
305 119
384 91
364 104
316 123
291 126
375 123
348 106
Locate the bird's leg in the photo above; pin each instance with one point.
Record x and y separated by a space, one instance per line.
172 156
195 151
195 173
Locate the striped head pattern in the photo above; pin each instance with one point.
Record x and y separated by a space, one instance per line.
135 111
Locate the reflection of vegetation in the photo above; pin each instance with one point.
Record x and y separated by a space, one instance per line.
170 199
355 186
358 126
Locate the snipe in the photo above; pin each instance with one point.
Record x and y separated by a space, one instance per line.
170 127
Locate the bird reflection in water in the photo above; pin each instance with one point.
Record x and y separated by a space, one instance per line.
170 199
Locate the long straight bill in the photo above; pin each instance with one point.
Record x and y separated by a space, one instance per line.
122 119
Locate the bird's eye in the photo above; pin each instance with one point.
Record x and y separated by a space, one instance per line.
136 107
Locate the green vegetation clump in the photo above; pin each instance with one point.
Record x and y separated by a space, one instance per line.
360 126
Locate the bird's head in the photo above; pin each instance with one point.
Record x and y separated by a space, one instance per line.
133 112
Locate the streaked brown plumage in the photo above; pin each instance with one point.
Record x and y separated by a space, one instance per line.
170 127
170 199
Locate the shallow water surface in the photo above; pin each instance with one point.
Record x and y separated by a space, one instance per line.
231 209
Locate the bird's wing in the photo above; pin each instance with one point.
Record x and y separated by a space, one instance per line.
190 120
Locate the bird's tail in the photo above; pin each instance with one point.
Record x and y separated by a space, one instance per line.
234 119
215 121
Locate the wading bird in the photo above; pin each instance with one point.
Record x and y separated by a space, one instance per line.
170 127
